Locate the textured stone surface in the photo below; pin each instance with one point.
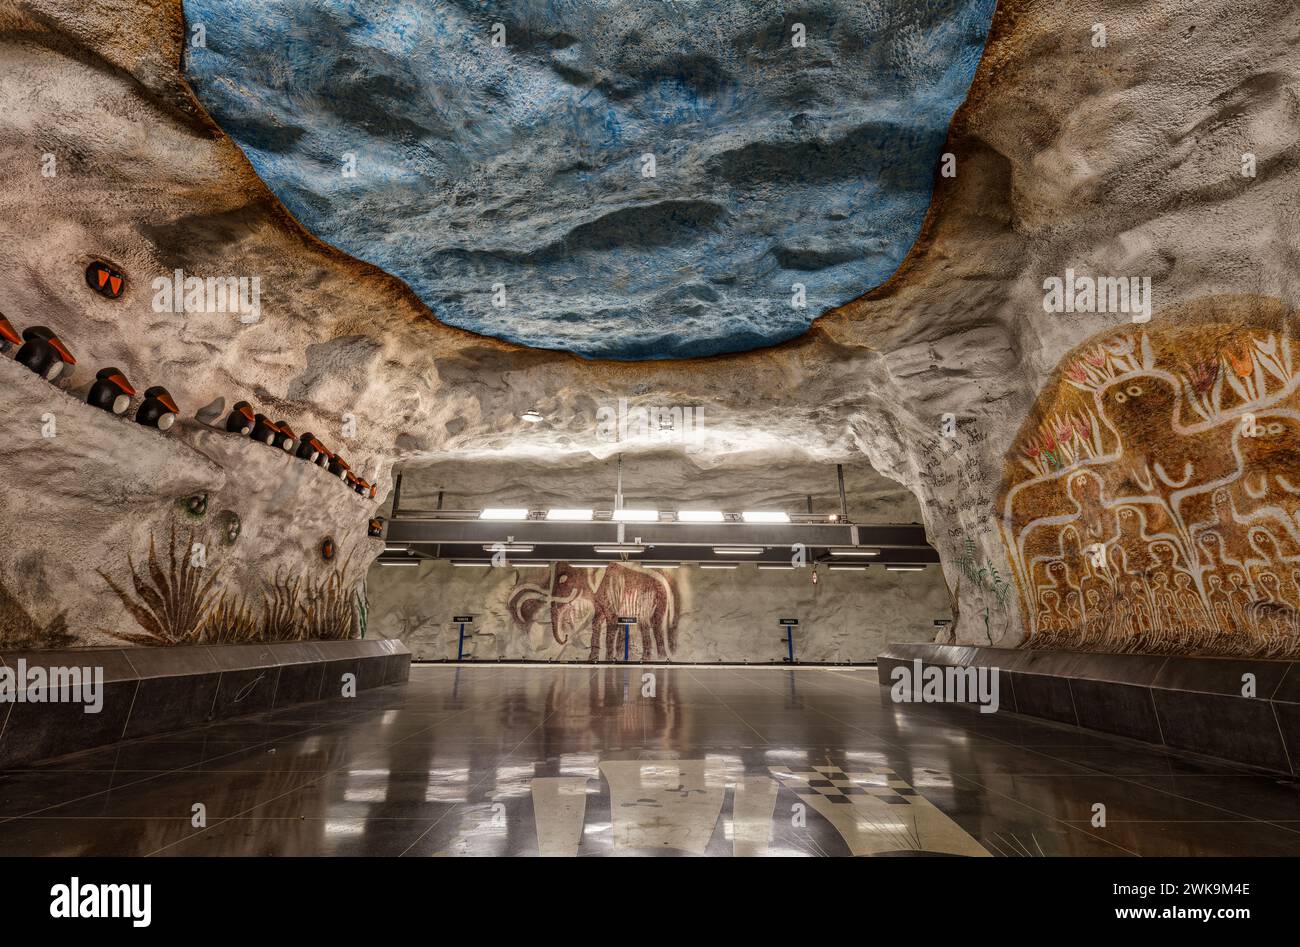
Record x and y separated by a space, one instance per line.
522 164
662 480
104 503
1123 160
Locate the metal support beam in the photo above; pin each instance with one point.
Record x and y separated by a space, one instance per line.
544 532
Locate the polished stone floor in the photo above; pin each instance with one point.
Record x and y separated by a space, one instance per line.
510 760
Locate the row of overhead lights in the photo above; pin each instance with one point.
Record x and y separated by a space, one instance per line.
564 515
602 563
614 549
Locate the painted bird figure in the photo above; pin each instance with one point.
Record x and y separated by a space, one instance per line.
43 353
111 391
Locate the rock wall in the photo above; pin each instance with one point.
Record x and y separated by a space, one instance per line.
705 615
1164 145
1150 501
119 533
1166 154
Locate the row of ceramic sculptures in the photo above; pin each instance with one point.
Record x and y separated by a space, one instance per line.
244 421
40 350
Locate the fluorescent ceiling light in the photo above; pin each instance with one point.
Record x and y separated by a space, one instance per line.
905 568
503 513
699 516
589 564
613 550
507 547
570 516
718 565
854 551
530 564
399 562
472 563
847 567
401 547
636 516
751 516
774 565
662 565
738 550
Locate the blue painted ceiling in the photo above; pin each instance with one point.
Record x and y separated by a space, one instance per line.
523 165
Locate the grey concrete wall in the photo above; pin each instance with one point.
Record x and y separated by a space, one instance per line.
723 615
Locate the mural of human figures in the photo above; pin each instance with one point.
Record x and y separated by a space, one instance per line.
581 604
1151 502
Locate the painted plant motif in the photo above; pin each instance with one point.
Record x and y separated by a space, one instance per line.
573 601
993 587
1151 502
178 601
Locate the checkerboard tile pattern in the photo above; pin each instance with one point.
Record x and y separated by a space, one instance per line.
846 788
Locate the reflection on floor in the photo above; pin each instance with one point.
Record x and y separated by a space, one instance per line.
501 760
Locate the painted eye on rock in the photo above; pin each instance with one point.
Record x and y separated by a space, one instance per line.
105 280
1275 428
1120 397
1134 391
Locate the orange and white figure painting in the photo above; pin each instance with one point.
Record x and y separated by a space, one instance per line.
1151 501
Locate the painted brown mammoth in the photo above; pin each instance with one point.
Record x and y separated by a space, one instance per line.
573 600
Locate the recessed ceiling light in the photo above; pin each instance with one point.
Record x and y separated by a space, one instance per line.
570 516
905 568
854 551
399 562
753 516
738 550
503 513
847 567
589 564
530 564
662 565
718 565
616 549
400 547
699 516
472 563
507 547
774 565
636 516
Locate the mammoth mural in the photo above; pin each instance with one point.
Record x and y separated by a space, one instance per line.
1151 503
574 600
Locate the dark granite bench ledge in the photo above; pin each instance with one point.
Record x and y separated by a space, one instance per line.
147 691
1185 703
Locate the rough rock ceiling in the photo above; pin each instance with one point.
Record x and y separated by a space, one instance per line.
1124 159
399 134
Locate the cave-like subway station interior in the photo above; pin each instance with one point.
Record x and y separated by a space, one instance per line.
568 428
